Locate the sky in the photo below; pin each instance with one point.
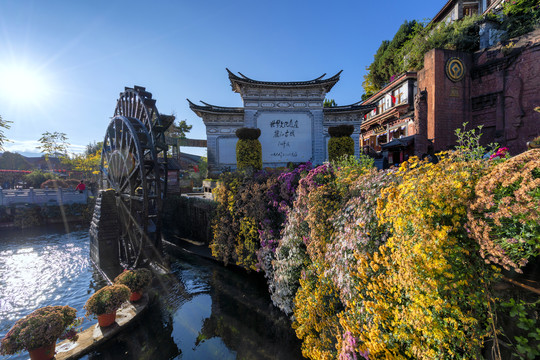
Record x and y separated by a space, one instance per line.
64 63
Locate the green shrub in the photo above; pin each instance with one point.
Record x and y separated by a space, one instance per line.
341 130
248 154
339 147
248 133
522 16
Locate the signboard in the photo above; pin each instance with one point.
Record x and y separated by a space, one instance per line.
455 69
285 137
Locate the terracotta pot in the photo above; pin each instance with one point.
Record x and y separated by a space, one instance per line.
43 353
135 296
106 319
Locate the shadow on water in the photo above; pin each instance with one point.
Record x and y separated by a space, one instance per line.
207 311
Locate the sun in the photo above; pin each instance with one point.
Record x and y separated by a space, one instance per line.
22 84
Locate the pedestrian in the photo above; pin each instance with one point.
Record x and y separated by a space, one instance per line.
81 187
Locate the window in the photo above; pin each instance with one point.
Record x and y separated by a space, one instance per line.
469 10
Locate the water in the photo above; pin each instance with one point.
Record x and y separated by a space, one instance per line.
205 311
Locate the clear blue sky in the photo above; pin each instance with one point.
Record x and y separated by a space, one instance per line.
77 56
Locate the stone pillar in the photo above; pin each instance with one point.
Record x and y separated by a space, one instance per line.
104 234
31 195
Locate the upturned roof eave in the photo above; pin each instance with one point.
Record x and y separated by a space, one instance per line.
212 109
238 81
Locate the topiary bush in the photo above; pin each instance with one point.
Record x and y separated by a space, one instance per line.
341 130
248 133
340 143
248 149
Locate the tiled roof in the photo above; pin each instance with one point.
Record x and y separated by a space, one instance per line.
208 108
356 107
236 81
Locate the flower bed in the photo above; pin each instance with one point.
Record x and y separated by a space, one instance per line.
391 264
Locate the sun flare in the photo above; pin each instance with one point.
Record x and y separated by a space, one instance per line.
22 84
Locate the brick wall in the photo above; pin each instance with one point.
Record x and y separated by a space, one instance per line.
499 91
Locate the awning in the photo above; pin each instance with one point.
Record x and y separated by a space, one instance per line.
399 143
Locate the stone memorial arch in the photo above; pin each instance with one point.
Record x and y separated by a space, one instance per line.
293 122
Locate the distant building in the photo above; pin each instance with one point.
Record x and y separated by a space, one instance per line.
457 9
390 125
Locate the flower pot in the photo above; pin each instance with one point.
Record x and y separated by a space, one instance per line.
106 319
135 296
43 353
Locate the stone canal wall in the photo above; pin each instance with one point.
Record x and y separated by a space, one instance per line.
30 215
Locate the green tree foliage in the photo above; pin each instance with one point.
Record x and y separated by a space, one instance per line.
386 62
179 130
458 35
13 161
522 16
93 148
37 177
4 124
329 103
413 39
53 144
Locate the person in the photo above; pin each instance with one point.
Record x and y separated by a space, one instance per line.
81 187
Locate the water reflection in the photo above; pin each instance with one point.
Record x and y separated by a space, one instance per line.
205 311
42 267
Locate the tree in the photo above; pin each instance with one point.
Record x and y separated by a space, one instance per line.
388 61
14 161
4 124
53 144
179 131
329 103
37 177
93 148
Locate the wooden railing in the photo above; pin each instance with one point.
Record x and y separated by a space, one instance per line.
42 196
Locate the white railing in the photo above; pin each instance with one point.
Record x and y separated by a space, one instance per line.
42 196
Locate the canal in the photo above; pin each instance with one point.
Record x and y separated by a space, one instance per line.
204 311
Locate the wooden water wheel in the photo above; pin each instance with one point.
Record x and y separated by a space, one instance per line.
133 163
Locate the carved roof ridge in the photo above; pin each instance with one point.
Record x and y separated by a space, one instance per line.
317 81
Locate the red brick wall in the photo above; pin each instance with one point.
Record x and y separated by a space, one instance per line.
500 90
505 91
448 102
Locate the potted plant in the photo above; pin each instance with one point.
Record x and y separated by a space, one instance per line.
38 332
135 280
104 303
